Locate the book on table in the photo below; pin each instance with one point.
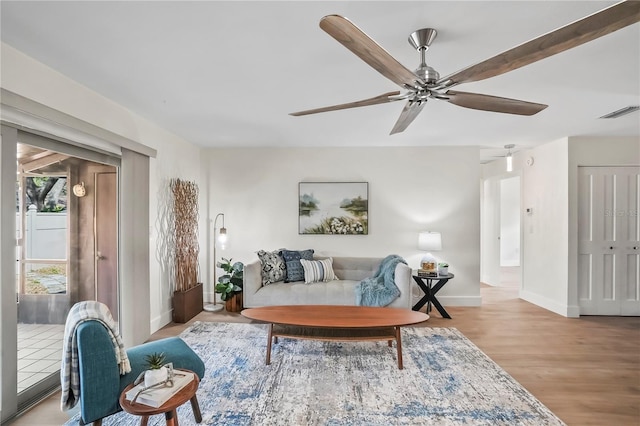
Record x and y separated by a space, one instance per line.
426 274
156 396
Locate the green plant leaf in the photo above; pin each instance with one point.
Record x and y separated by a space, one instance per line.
155 360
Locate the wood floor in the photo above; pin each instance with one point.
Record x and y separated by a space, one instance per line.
587 370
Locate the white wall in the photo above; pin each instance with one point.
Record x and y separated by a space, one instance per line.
545 230
176 157
410 190
602 151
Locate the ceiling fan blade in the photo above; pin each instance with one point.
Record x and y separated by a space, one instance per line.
381 99
408 114
493 103
582 31
354 39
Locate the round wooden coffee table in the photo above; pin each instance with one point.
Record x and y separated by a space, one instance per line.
188 393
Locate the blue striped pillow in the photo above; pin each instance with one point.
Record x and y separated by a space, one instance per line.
318 270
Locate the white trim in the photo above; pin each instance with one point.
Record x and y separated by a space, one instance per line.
23 120
18 111
160 321
550 305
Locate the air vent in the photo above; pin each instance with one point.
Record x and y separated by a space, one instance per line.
622 111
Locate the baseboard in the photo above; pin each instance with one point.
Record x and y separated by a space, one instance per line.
550 305
160 321
460 300
573 311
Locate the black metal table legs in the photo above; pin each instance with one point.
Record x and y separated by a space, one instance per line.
425 283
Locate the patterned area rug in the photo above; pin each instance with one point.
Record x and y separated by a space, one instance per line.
446 380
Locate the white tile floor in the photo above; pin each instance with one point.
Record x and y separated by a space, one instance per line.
39 352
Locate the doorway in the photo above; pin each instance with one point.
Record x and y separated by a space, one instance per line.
501 232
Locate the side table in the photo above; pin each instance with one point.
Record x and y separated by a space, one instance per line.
188 393
425 284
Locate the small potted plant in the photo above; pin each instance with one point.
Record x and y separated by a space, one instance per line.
229 285
443 268
156 370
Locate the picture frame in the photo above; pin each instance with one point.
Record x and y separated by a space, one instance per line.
333 208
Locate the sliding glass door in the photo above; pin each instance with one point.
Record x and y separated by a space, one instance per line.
66 251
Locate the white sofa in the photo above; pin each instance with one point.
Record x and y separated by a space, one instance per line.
349 270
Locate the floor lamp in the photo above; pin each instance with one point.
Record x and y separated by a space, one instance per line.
221 240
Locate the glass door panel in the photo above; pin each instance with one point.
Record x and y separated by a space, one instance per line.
58 229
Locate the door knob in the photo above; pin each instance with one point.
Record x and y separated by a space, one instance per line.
99 256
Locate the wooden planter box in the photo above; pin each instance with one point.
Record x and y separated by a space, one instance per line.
187 304
235 303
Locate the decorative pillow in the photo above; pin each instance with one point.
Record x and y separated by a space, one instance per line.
318 270
273 267
294 267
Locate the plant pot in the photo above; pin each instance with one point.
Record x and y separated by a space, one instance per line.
234 304
158 375
443 271
187 304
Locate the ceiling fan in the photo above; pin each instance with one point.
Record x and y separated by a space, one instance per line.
425 83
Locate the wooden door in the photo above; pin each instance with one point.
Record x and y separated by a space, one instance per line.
106 241
608 240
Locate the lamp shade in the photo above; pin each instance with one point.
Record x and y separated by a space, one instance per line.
509 162
222 237
429 241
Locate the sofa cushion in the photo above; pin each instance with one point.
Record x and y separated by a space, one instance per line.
337 292
273 266
295 272
318 270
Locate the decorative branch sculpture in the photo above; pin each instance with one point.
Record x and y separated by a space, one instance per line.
186 248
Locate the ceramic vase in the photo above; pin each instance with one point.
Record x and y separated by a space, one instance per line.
155 376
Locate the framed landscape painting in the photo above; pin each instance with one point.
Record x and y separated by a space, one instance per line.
333 208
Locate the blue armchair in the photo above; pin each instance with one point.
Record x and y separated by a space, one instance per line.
100 381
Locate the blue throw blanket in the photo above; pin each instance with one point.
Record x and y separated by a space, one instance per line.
380 289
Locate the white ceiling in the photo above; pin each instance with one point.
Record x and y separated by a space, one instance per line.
228 73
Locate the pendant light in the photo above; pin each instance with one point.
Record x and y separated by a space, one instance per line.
509 157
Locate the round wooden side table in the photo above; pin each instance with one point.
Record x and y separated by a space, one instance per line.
188 393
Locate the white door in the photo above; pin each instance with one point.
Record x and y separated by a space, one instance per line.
608 235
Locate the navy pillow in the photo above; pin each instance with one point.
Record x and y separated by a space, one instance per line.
295 272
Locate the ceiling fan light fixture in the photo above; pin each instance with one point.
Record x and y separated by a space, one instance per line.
509 157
